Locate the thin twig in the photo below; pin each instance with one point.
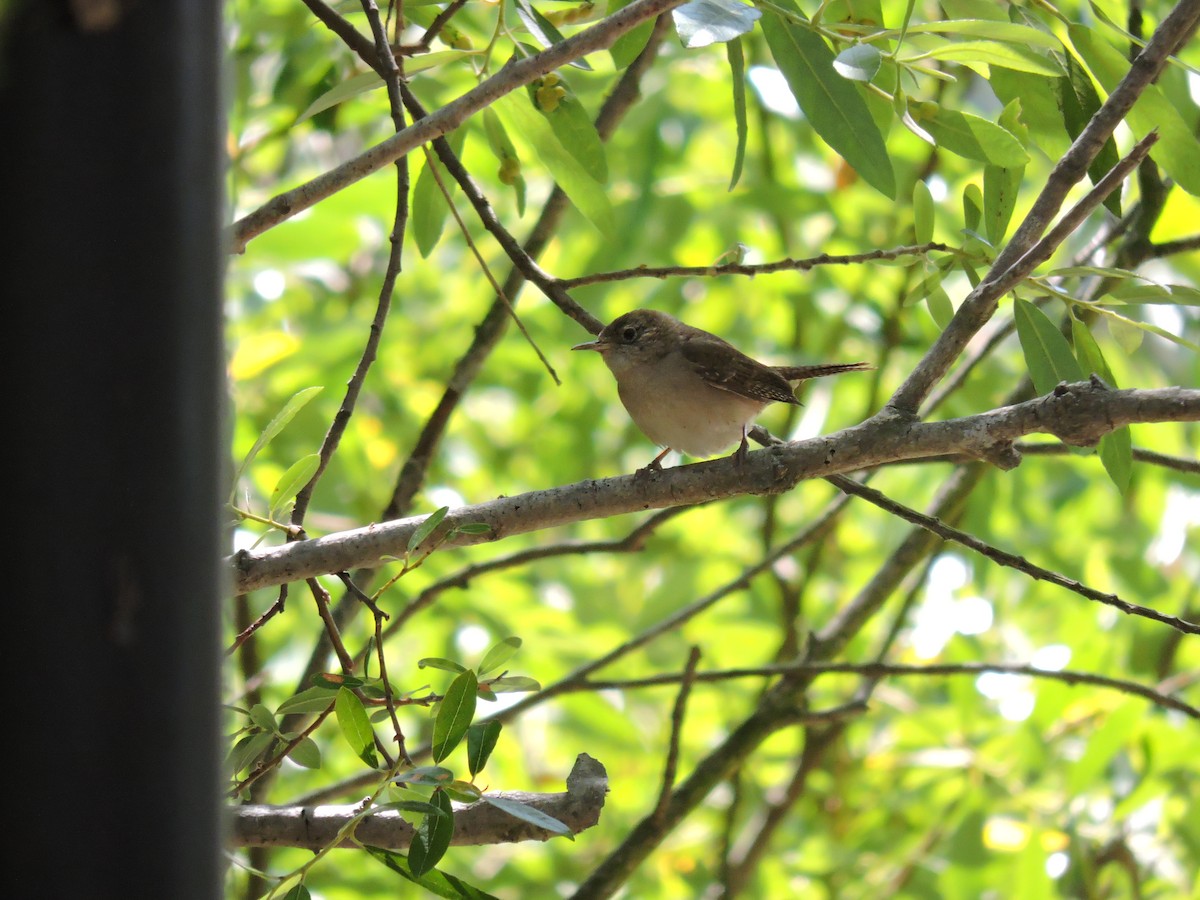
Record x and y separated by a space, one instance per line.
783 265
687 678
1003 557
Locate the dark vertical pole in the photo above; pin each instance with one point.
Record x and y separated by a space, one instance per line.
110 276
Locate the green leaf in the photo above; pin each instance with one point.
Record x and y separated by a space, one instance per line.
430 207
543 30
1116 447
454 714
1176 147
1009 32
737 75
298 892
263 718
422 807
992 53
290 482
831 104
1047 353
437 883
247 750
1080 103
463 791
511 684
314 699
426 528
531 815
575 131
858 62
276 425
1135 291
940 307
306 754
527 124
972 137
334 681
472 528
370 81
481 741
499 654
972 207
432 837
1000 188
355 726
702 22
629 45
504 151
437 662
923 213
432 776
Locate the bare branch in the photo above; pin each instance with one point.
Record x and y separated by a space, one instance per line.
1078 414
315 827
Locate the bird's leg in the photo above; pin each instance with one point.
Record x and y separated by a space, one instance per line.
655 465
739 455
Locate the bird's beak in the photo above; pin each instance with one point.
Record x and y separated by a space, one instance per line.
597 345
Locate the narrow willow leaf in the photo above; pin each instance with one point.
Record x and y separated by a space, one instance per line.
430 207
1116 447
481 741
499 653
413 806
992 53
514 684
831 104
432 837
923 213
463 791
290 482
1009 32
276 425
1047 353
527 124
306 754
454 714
737 74
973 137
432 776
972 207
247 750
437 662
1000 187
297 892
426 528
437 883
576 132
506 154
940 307
355 726
531 815
702 22
543 30
369 81
263 718
1176 147
858 62
314 699
627 47
1080 103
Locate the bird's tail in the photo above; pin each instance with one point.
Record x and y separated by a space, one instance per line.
800 373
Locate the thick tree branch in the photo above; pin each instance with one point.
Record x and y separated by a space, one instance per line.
444 120
1078 414
315 827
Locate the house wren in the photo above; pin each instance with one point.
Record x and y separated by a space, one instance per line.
689 390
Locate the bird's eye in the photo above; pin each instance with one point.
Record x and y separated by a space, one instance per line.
629 334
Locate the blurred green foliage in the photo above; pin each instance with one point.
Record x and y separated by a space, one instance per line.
947 787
